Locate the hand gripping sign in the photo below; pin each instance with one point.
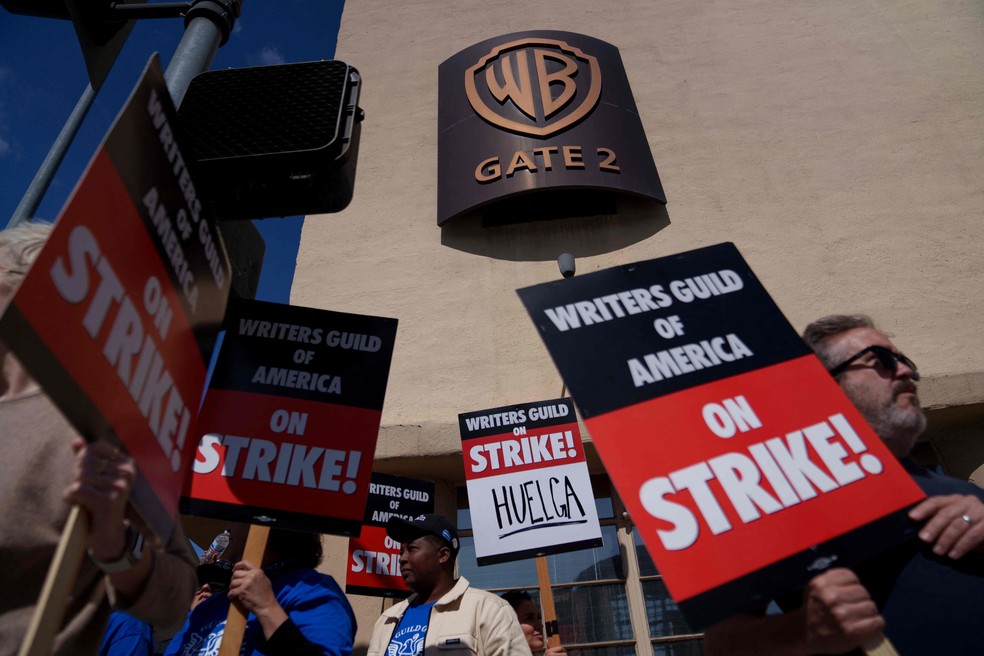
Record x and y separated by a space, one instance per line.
528 485
287 432
374 557
117 318
743 464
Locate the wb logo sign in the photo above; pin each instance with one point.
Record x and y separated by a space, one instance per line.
534 86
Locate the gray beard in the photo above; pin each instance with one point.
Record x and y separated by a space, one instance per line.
899 429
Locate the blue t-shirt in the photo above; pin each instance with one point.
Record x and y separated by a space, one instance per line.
312 600
126 636
408 639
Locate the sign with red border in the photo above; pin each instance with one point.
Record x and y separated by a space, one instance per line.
743 464
117 318
288 428
374 557
529 491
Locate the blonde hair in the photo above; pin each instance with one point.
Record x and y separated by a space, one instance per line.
19 247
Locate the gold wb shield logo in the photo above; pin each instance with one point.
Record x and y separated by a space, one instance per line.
552 84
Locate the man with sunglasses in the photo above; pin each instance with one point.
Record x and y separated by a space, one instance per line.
926 594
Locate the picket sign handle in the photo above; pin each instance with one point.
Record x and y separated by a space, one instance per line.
547 602
235 626
58 584
880 646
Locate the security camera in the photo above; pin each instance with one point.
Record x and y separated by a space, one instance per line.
566 264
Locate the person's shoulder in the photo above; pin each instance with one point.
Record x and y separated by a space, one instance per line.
309 582
934 483
485 597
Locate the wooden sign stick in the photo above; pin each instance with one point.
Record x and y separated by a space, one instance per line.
547 603
235 626
880 646
58 583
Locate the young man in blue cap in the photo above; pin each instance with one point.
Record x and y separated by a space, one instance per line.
443 613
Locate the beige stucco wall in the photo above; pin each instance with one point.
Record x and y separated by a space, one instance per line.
839 144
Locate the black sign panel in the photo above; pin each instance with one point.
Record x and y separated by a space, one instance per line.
658 311
534 112
270 338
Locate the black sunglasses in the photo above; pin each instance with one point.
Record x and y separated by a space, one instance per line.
888 360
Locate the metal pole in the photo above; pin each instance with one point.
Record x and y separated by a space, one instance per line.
31 200
208 24
194 55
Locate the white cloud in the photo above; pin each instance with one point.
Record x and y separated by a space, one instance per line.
270 56
5 148
238 27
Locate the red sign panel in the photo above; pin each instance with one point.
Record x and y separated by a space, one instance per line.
117 316
374 565
762 464
744 465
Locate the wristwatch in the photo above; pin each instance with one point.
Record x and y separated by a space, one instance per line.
128 559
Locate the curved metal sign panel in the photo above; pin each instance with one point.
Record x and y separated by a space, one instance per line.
537 112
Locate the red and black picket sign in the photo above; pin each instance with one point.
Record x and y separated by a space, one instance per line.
373 557
745 467
118 316
287 432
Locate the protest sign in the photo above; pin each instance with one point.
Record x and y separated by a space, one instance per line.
528 484
287 431
374 557
741 461
117 318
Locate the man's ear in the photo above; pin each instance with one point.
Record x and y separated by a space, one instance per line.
444 555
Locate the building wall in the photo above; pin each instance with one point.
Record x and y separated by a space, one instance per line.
839 145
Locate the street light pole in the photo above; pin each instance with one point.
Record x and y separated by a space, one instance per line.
208 25
31 199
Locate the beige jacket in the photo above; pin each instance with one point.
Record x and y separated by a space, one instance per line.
464 621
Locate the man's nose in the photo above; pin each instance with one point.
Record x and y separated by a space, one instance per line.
903 370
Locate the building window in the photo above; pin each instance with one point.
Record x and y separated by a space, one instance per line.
610 600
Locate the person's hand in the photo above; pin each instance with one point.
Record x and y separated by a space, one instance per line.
954 523
839 613
251 590
201 594
101 484
555 651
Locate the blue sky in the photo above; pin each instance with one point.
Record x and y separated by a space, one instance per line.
42 75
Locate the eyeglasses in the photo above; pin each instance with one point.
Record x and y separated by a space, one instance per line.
887 359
